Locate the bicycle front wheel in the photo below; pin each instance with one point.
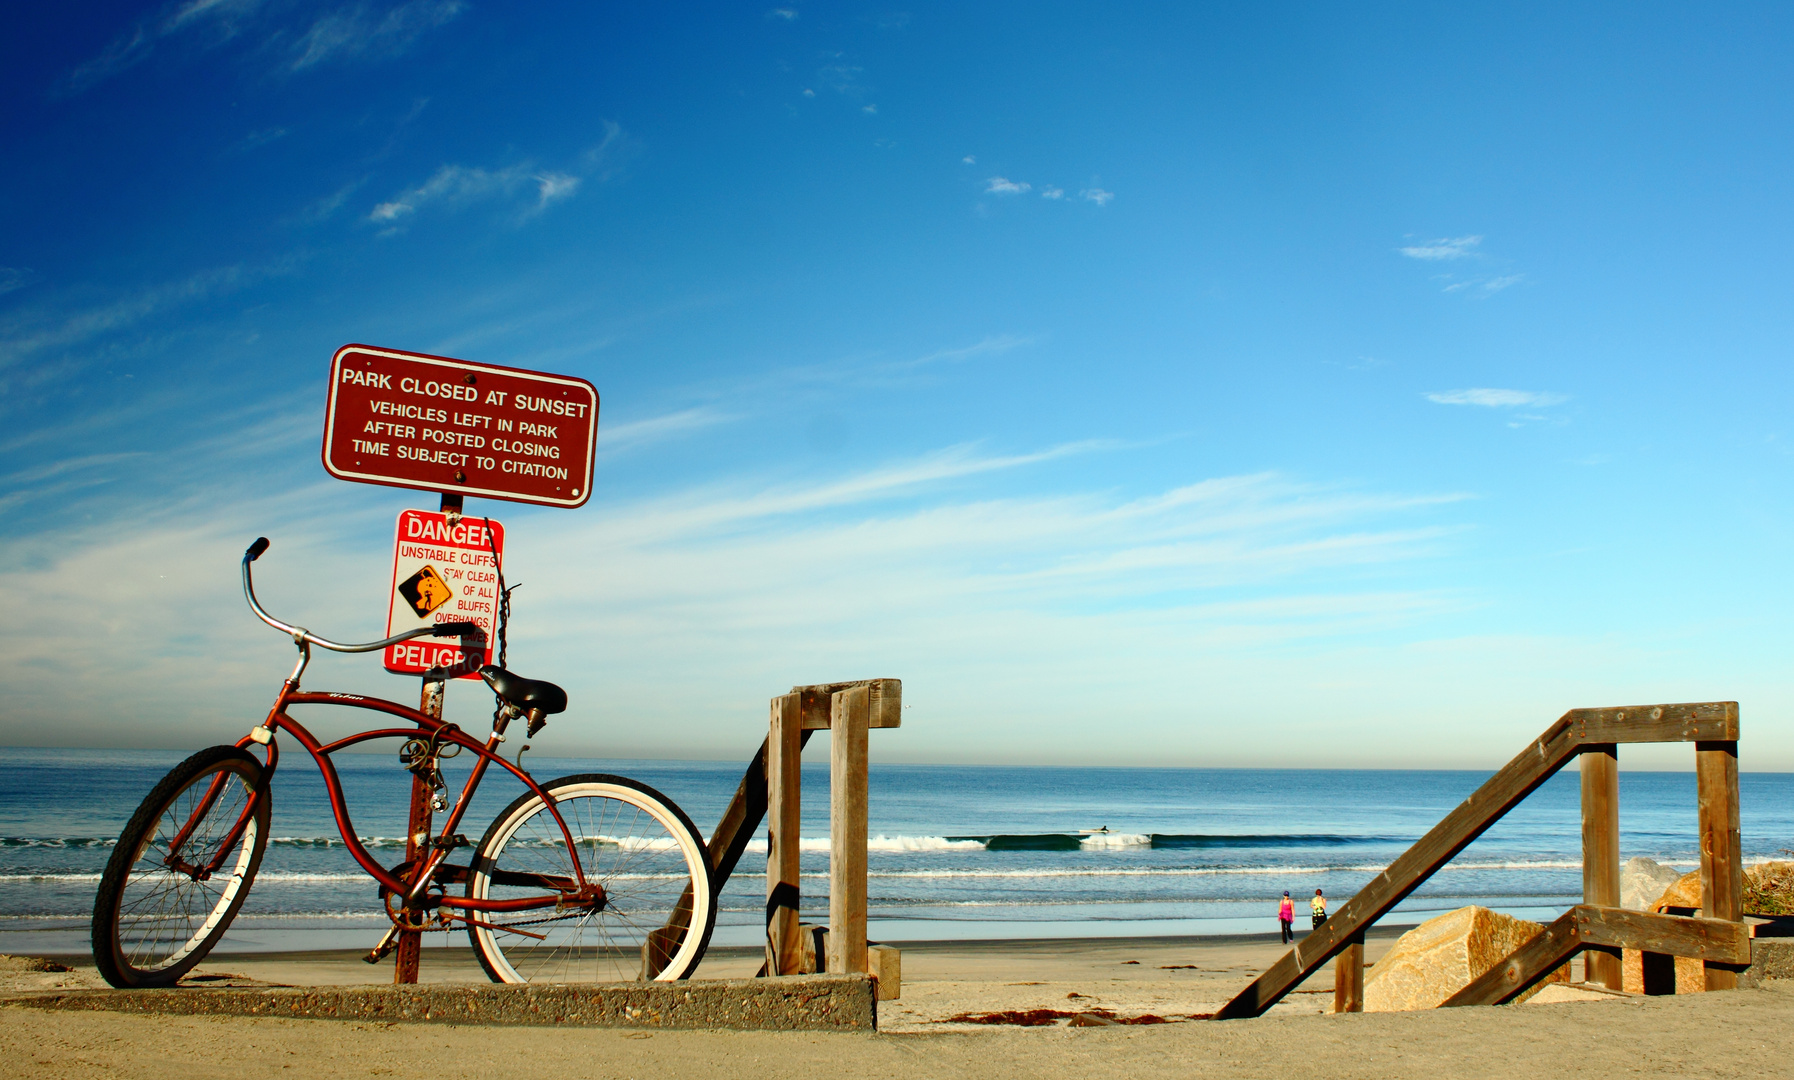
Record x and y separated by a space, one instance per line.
658 908
181 869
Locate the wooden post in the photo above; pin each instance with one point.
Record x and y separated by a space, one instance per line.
1348 976
417 840
1601 851
850 712
1722 863
417 829
784 825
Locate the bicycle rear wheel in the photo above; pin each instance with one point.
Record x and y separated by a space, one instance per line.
630 839
178 874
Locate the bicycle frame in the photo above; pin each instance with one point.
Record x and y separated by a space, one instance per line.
561 891
575 890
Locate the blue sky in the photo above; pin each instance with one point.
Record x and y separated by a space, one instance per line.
1140 383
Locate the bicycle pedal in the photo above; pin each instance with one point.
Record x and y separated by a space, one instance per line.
453 842
380 951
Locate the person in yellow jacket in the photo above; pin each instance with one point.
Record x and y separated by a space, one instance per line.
1318 906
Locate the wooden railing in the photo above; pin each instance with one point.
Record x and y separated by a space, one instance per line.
1600 931
1597 927
771 790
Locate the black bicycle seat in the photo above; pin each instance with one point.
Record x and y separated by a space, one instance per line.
524 693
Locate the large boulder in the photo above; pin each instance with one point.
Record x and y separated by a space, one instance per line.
1682 893
1685 892
1441 956
1643 881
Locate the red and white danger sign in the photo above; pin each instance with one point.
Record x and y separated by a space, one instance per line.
443 573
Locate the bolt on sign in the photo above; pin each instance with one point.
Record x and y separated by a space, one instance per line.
418 421
443 571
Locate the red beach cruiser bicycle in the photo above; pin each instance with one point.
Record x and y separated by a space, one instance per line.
586 878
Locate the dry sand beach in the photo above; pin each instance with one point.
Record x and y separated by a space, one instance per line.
1727 1034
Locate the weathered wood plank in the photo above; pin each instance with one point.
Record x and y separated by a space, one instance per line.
847 830
1686 722
885 963
1516 780
1600 766
1348 977
742 816
887 702
784 819
727 844
1545 953
1722 850
1720 940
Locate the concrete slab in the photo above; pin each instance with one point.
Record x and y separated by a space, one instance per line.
793 1003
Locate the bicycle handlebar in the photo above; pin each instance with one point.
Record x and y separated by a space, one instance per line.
300 634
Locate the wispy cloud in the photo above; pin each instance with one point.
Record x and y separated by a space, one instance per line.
1097 195
359 31
458 186
553 187
15 277
326 207
214 21
1481 283
616 438
988 346
998 185
1443 249
1051 192
1490 397
786 14
1010 608
451 184
27 335
864 372
257 139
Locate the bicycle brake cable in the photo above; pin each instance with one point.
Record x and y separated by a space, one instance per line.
504 611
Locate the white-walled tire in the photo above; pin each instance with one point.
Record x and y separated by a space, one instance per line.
152 922
633 841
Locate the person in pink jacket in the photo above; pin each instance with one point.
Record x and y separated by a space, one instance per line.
1286 914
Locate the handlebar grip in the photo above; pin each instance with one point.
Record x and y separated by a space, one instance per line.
256 549
455 629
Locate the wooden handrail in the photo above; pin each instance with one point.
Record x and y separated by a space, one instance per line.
735 829
1718 941
1563 740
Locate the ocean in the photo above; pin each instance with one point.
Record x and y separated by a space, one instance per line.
957 852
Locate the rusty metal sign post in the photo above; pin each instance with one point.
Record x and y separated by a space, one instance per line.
459 428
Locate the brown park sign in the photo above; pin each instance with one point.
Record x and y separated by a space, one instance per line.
418 421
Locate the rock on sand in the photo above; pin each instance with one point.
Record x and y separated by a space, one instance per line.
1441 956
1643 881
